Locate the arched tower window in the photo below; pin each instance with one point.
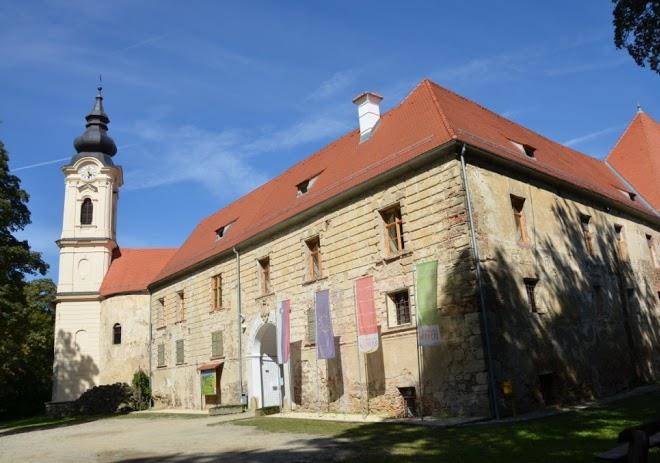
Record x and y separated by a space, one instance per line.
86 212
116 334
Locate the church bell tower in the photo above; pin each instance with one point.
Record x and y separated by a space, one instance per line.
87 244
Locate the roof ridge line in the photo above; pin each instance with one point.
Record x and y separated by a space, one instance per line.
441 113
621 136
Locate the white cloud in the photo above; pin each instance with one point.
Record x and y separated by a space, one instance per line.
591 136
336 83
227 162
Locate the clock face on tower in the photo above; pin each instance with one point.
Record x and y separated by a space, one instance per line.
88 172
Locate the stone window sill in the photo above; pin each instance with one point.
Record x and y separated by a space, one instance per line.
161 366
179 322
221 309
396 329
264 296
314 280
218 357
162 327
394 257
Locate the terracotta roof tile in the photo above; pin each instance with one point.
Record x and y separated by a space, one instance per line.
131 270
636 156
427 118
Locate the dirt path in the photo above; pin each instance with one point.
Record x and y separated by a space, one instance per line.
164 439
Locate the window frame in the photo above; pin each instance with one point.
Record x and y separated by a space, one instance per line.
587 234
216 292
530 285
160 313
160 352
393 211
181 306
650 243
116 334
394 315
621 249
214 335
87 213
313 246
265 286
519 219
182 360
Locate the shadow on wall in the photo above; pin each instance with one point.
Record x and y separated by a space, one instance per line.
593 328
74 372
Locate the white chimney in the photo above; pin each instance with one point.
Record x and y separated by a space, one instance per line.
368 104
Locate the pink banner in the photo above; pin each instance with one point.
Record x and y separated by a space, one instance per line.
366 314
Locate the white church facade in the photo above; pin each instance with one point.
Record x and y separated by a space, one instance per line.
524 236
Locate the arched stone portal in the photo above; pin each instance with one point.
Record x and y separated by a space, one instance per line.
265 373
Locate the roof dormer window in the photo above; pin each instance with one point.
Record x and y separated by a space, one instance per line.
526 149
222 231
304 186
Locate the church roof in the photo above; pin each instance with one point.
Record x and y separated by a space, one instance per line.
131 270
429 117
636 156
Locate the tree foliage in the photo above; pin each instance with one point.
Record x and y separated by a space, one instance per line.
637 28
26 308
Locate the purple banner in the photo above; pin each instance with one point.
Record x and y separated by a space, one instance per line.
325 339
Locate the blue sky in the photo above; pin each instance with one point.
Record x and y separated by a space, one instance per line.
209 99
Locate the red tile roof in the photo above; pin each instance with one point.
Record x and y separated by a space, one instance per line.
428 117
131 270
636 156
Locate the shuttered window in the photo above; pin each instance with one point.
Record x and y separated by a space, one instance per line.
161 355
216 344
179 352
311 326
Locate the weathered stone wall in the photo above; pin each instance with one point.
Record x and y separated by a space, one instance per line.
587 345
120 361
351 236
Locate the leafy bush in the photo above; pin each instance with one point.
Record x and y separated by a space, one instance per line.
105 399
141 390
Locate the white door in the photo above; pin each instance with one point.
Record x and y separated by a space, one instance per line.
270 382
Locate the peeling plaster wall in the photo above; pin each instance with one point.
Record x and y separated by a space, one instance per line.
120 361
351 235
590 345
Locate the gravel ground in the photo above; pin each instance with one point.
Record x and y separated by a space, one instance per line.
164 439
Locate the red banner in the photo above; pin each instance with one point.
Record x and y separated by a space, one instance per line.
366 315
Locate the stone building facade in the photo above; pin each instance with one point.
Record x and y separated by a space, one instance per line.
547 283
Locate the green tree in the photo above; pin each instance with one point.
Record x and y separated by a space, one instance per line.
637 28
26 309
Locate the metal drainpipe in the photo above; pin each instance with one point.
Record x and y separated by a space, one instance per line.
482 301
151 376
239 323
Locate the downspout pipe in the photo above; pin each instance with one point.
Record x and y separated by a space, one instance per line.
495 409
239 323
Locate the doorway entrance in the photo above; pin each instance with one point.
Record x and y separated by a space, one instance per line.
266 375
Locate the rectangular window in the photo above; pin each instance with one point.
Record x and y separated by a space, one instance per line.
530 289
400 302
619 242
264 275
393 230
160 313
649 243
181 306
179 352
217 349
216 293
517 205
311 326
585 223
314 269
161 355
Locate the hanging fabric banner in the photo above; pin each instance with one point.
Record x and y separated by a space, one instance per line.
325 339
283 331
428 329
366 314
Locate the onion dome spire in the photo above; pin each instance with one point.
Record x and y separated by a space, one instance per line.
95 141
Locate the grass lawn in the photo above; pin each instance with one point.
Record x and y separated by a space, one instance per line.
36 422
569 437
